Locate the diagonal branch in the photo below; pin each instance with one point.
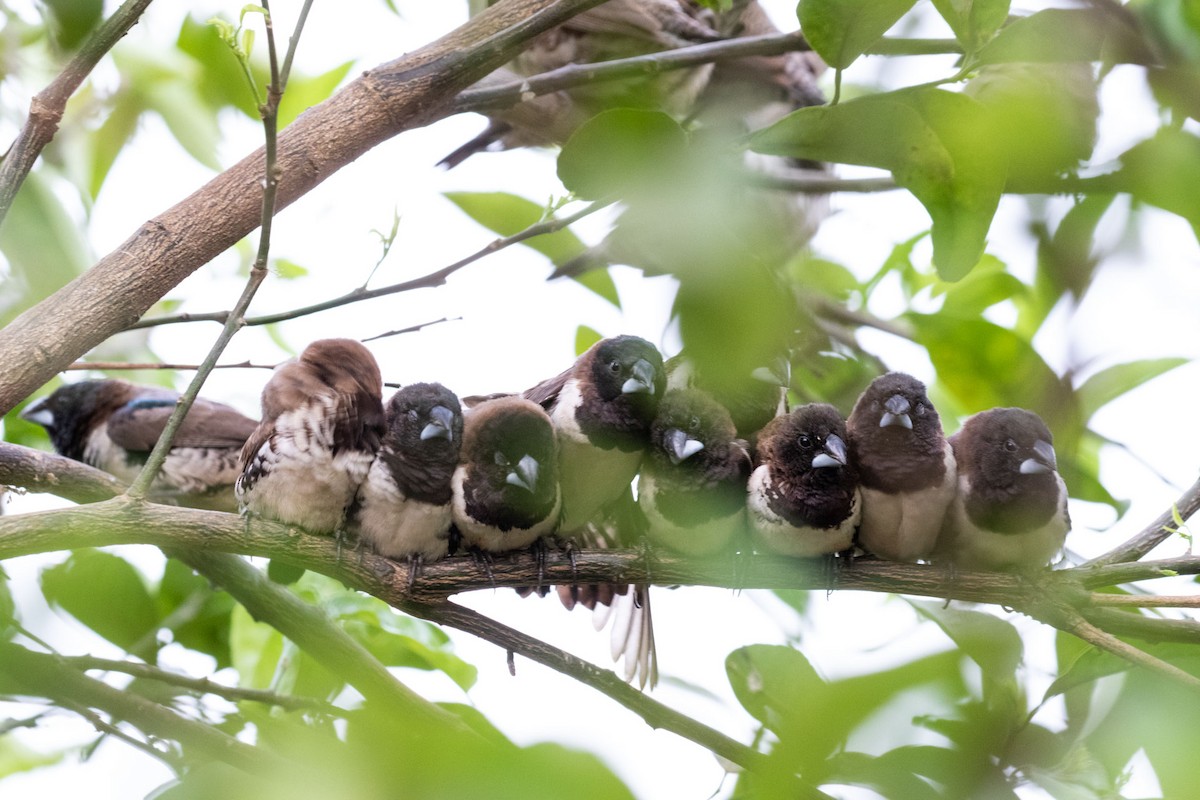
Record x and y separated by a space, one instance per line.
1154 533
412 91
46 109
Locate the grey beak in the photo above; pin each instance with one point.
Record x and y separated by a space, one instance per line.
525 475
1042 461
642 380
896 413
680 447
441 426
834 454
38 413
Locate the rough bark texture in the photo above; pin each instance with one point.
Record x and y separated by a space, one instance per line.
409 92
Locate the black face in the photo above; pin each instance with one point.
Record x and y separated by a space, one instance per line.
896 435
628 366
895 403
812 439
74 409
687 419
515 477
426 416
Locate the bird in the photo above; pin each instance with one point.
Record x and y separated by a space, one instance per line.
905 465
322 422
752 397
403 506
113 425
505 490
601 408
692 485
1010 511
803 497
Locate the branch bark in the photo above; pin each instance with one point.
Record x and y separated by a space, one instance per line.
409 92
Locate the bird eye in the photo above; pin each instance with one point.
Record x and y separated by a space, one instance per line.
614 367
805 441
694 424
1010 446
501 460
920 409
412 414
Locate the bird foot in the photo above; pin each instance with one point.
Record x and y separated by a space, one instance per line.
416 563
484 561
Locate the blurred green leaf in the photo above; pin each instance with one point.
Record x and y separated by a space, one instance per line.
16 758
255 650
619 150
1108 384
1066 259
1061 34
220 82
107 594
303 92
973 21
8 609
777 685
110 139
881 774
288 269
600 281
193 125
1164 171
842 30
585 337
197 613
988 284
72 21
990 642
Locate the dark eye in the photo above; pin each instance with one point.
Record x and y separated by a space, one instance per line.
920 409
614 367
413 415
694 424
501 459
805 441
1010 446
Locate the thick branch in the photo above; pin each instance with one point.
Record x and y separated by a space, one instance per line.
44 473
46 109
409 92
47 676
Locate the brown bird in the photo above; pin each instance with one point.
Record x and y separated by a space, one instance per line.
322 422
113 425
905 465
1010 511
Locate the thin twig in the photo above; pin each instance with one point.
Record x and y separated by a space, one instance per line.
46 109
1155 533
1140 626
425 282
1088 632
1146 601
202 685
171 760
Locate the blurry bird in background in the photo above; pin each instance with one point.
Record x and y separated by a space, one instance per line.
113 425
323 420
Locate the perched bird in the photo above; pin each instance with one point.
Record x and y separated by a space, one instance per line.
752 397
505 488
905 465
403 506
322 423
692 486
1010 511
113 425
803 496
601 408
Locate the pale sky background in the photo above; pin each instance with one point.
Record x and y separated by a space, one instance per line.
514 342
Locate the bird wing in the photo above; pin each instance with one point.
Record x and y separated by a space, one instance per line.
545 394
137 425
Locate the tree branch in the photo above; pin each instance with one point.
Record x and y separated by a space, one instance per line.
47 106
361 293
202 685
44 473
48 676
409 92
1155 533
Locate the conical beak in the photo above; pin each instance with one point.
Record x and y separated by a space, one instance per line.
680 447
642 379
440 426
1043 459
525 475
896 413
38 413
834 454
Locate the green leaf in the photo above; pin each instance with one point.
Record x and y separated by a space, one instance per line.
72 21
881 774
1108 384
1164 171
16 758
1059 34
938 145
193 125
776 684
585 337
256 649
197 614
619 150
988 284
507 214
288 269
8 609
842 30
973 21
600 281
107 594
109 140
989 641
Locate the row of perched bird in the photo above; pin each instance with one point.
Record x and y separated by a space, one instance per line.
502 471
